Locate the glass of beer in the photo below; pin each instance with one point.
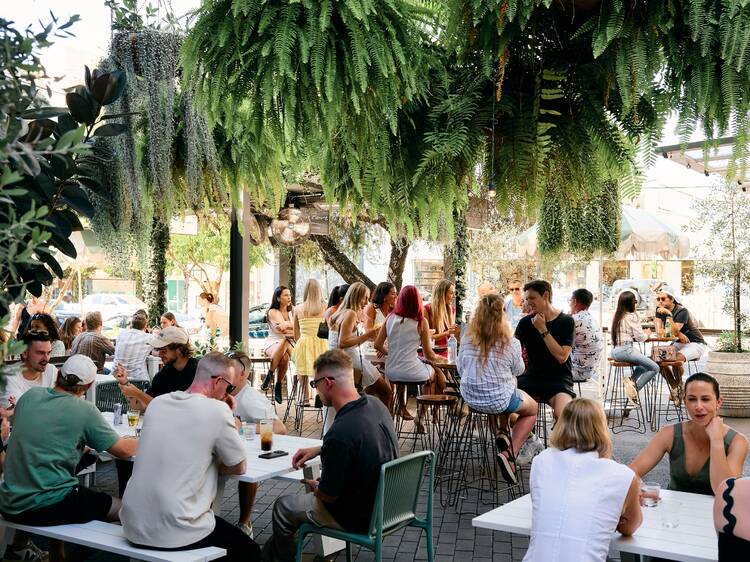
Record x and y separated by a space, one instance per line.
266 434
134 417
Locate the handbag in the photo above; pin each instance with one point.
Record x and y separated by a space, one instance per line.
661 353
323 330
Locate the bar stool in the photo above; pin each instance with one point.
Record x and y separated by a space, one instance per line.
617 400
437 408
543 414
475 466
400 401
663 403
294 399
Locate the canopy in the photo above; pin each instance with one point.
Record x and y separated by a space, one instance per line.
643 236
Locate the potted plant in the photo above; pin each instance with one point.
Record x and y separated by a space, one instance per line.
726 214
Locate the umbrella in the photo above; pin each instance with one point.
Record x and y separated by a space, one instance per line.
643 236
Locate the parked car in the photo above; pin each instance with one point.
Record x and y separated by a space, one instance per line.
191 324
111 327
111 305
645 296
257 321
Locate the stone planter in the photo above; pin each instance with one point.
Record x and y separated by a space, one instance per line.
732 370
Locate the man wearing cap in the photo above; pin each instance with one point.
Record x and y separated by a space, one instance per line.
178 372
51 428
690 345
132 347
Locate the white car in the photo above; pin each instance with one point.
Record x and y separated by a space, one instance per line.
111 305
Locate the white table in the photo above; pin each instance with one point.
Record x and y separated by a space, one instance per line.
259 470
693 540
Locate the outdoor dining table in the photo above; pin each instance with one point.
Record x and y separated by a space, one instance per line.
259 470
692 539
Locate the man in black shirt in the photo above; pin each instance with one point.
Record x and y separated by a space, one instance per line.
360 440
690 343
548 336
178 372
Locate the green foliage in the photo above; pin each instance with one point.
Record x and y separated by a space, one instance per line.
344 84
47 177
725 262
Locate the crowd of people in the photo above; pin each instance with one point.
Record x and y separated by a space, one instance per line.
355 356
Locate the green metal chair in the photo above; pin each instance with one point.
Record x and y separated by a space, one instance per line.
108 394
395 507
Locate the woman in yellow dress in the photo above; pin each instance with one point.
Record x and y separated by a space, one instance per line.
307 318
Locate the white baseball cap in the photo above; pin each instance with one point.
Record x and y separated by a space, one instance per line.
81 366
171 334
667 290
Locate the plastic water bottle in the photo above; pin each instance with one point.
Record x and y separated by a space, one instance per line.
452 349
117 414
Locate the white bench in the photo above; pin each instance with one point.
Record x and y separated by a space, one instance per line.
109 538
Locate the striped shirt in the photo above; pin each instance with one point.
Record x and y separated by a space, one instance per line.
489 387
131 352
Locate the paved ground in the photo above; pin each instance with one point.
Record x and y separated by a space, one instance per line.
455 538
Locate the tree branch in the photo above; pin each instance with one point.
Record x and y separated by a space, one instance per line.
339 261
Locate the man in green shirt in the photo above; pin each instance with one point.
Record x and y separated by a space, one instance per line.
51 428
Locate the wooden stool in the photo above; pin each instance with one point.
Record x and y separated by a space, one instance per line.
437 409
616 400
661 404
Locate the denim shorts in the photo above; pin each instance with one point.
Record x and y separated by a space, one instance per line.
516 401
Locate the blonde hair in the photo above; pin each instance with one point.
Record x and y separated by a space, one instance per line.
488 326
312 303
356 294
582 426
442 316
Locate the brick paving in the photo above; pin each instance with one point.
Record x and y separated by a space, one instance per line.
454 537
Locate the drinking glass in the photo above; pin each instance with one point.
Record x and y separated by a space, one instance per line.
248 431
266 435
669 512
134 417
650 493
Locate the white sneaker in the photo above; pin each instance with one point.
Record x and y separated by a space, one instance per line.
29 551
247 529
531 448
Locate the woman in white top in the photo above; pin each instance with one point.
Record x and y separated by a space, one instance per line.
343 333
280 340
377 310
489 361
214 316
404 331
626 330
579 495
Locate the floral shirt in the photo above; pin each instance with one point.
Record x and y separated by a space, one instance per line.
587 351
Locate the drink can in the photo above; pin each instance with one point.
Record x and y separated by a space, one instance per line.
117 414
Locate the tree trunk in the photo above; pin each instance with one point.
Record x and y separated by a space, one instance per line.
456 260
156 283
339 261
399 250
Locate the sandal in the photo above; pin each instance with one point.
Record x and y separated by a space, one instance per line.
507 469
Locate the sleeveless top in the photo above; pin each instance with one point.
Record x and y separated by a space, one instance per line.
368 348
309 346
568 522
402 364
275 335
731 547
679 479
370 373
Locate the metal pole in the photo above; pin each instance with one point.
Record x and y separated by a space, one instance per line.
239 276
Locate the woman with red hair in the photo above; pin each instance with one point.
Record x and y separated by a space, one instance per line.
405 330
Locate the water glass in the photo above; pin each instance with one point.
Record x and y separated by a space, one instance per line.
248 431
669 511
650 492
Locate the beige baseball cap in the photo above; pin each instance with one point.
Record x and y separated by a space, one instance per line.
81 366
171 334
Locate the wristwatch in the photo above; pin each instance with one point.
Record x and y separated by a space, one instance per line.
544 333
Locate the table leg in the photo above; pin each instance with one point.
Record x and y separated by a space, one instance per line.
323 546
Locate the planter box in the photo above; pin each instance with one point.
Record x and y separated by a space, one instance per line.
732 370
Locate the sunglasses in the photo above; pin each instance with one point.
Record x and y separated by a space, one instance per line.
515 290
230 387
314 383
661 299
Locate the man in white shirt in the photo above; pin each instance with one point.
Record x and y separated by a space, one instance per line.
188 440
132 347
36 370
589 343
514 303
